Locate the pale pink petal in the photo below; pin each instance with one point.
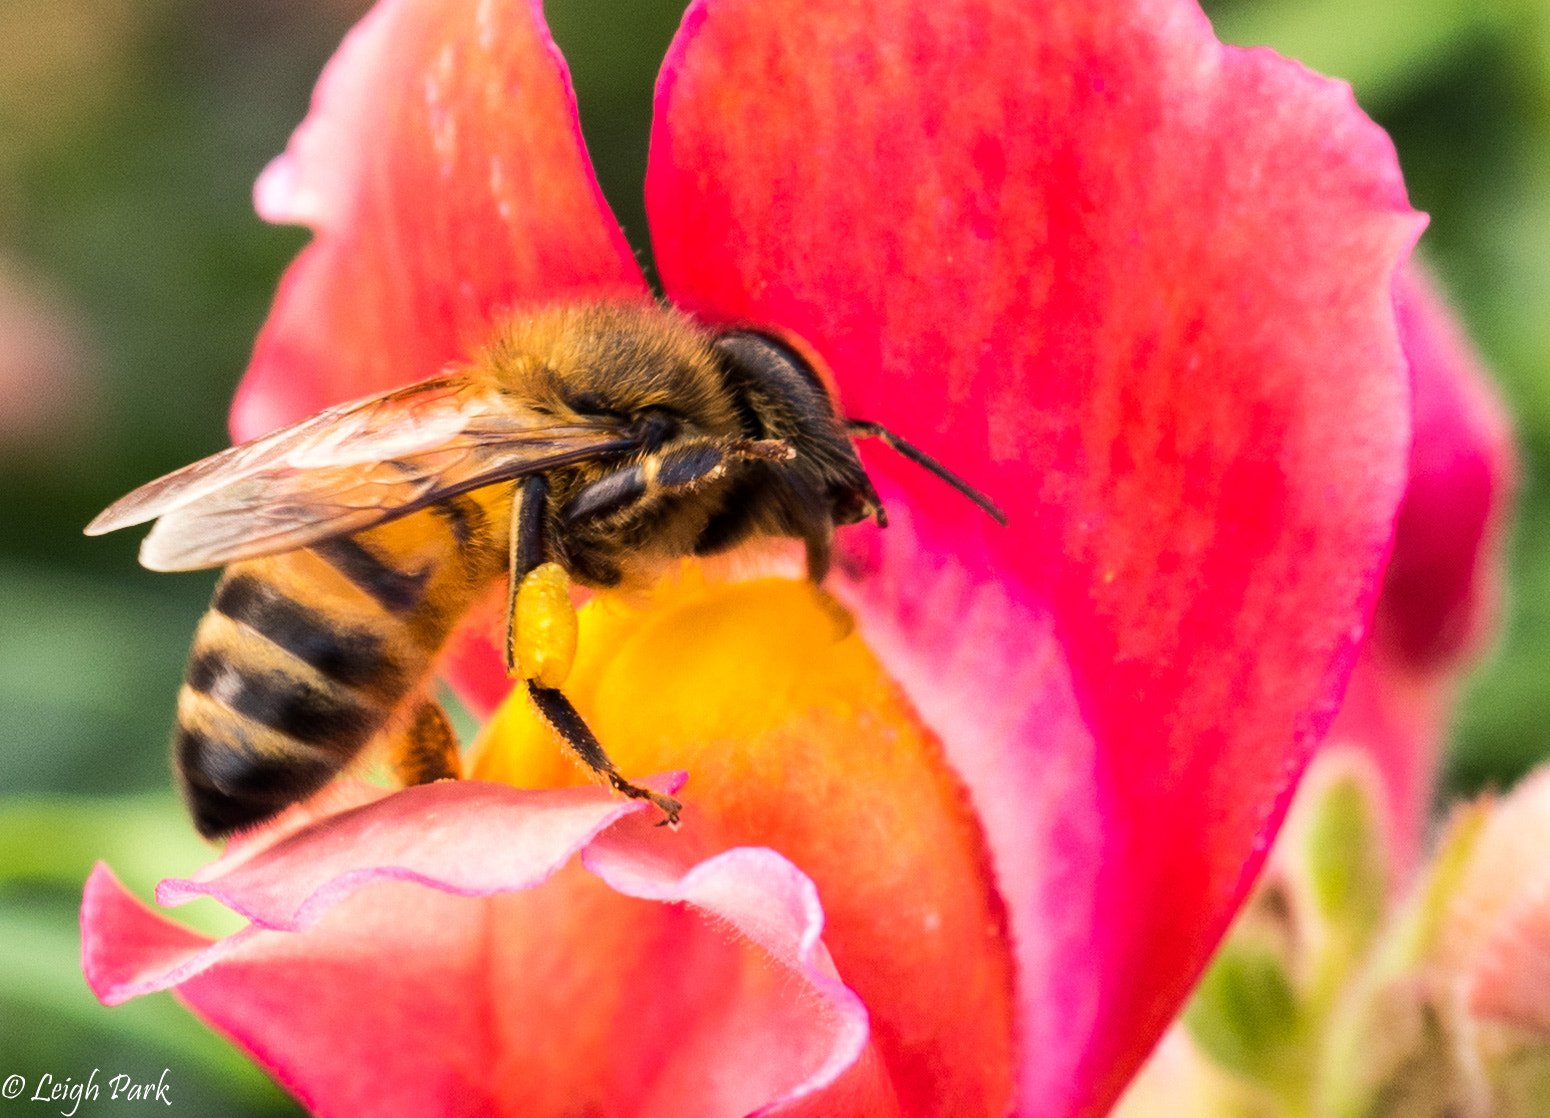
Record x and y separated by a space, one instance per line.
428 952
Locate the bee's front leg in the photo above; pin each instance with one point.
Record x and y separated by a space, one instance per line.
541 627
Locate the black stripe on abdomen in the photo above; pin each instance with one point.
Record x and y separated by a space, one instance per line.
352 656
328 717
395 590
465 519
232 781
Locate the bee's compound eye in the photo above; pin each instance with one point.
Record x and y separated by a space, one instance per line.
851 506
768 367
768 359
654 427
590 403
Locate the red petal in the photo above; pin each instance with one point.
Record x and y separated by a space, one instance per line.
1444 579
1138 287
125 950
443 172
472 659
1440 593
381 996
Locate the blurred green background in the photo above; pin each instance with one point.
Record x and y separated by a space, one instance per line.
133 277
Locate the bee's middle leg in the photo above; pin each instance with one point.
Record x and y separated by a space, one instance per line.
541 641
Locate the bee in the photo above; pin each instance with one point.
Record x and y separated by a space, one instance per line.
593 444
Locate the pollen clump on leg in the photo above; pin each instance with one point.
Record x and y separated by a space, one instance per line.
546 626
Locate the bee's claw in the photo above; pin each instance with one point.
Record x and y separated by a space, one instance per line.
669 806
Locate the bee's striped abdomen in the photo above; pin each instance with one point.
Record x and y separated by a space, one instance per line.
284 687
298 702
351 655
304 657
272 705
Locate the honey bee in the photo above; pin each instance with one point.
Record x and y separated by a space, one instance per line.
594 443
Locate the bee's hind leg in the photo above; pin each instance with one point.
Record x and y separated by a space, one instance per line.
556 710
541 641
424 747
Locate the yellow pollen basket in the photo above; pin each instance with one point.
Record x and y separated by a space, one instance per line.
546 626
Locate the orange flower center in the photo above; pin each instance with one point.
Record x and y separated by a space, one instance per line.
795 739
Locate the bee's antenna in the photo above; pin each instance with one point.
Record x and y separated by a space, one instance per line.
861 429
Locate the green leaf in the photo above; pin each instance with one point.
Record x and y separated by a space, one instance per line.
1522 1082
1345 862
1382 47
1244 1014
41 981
54 841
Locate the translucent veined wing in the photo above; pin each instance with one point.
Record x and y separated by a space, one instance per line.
348 468
401 421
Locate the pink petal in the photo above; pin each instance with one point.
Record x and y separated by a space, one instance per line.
517 986
1443 584
443 172
1400 720
1137 286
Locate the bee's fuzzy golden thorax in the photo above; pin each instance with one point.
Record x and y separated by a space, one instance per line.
615 358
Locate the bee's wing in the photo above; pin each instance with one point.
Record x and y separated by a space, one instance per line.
376 427
348 468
